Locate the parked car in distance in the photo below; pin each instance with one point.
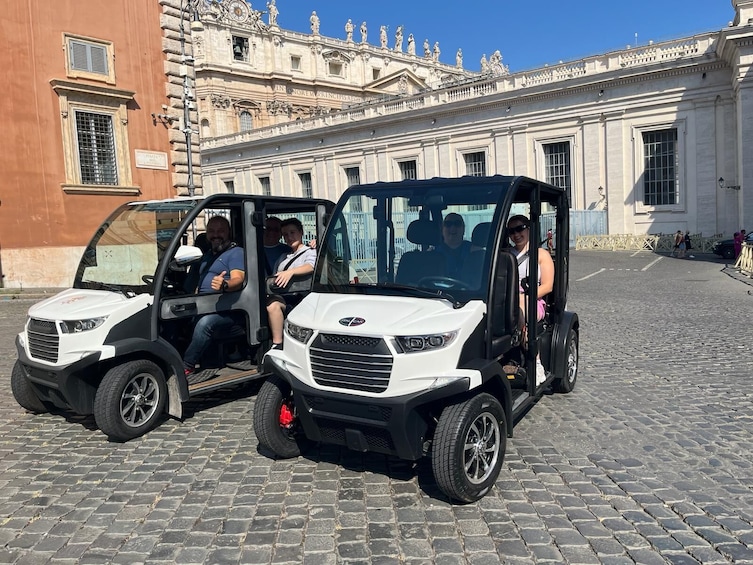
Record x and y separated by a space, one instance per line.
725 248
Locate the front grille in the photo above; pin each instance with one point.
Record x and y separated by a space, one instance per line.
351 362
43 340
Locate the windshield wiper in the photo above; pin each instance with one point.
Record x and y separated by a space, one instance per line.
438 293
105 286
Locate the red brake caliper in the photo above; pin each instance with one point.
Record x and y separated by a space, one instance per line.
286 416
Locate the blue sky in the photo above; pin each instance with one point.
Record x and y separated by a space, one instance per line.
528 33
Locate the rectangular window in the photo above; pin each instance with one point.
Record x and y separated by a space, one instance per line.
295 62
375 73
408 170
335 69
89 58
306 186
660 182
557 164
96 148
475 164
353 175
266 186
240 48
230 186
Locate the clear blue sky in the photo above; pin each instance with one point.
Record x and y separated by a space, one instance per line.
528 33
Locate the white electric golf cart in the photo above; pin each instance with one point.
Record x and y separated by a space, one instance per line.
390 354
112 345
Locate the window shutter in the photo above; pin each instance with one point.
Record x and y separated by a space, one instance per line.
98 59
88 57
78 56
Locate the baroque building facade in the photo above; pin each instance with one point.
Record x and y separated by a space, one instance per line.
657 134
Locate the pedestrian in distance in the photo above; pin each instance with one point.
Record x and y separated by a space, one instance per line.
679 247
688 245
738 243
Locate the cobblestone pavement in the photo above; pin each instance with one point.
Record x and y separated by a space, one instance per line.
647 461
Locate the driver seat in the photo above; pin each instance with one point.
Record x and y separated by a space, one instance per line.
417 264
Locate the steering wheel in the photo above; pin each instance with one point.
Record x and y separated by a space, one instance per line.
444 283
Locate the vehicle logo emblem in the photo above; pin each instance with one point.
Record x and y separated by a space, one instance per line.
352 321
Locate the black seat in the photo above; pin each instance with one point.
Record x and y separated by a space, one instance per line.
473 267
417 264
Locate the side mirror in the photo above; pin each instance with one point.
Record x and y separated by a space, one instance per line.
185 255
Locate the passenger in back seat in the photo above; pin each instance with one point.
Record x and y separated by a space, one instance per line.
518 231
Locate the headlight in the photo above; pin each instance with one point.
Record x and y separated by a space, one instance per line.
414 343
78 326
297 332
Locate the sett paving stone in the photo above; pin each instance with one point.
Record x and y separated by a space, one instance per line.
647 461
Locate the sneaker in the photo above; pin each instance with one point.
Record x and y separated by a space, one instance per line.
540 372
277 346
187 371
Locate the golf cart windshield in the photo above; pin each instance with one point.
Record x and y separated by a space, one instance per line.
419 238
127 248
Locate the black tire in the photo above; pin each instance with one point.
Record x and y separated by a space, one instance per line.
566 383
728 253
284 439
23 392
469 447
130 399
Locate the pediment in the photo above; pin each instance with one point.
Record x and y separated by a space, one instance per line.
336 55
403 82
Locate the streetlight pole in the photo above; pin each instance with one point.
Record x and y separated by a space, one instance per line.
188 95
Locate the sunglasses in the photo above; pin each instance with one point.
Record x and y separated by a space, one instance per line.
454 223
518 229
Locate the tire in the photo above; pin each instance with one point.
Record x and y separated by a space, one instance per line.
24 393
273 403
130 399
469 447
566 383
728 253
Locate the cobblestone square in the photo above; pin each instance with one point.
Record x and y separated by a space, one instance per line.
649 460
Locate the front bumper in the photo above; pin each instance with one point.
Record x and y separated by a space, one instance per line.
71 387
393 426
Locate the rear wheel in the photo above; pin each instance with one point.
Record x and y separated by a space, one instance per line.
275 419
728 253
23 392
130 399
566 383
469 447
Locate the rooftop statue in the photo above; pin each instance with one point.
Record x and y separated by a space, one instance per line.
364 32
399 39
314 19
349 31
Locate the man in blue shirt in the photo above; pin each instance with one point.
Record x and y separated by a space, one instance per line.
222 269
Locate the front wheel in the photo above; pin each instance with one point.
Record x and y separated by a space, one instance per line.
566 383
275 419
469 447
130 399
23 392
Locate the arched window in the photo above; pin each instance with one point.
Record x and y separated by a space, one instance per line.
205 131
247 122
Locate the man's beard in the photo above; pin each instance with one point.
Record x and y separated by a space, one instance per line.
219 246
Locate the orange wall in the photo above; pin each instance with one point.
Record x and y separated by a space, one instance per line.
34 210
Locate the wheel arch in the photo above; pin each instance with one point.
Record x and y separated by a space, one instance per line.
162 354
561 332
495 383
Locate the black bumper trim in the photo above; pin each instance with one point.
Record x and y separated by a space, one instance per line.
392 426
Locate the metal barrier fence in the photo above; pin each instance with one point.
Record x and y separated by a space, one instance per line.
744 262
649 242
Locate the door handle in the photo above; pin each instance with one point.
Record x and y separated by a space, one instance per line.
178 308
